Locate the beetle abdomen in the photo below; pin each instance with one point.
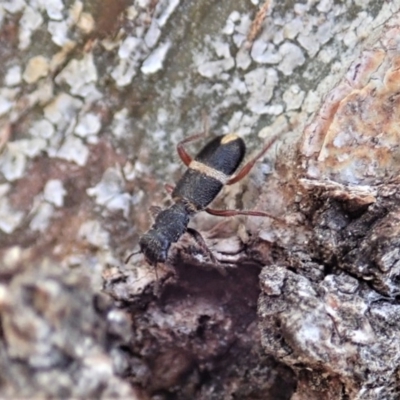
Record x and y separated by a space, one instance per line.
224 153
197 188
210 170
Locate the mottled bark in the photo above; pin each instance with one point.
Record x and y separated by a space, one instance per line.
94 98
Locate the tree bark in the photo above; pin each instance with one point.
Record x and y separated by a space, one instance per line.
93 101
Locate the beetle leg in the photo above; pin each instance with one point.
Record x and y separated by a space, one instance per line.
169 188
221 268
156 274
155 210
201 242
130 256
184 156
232 213
248 166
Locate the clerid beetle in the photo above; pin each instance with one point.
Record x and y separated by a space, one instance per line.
212 168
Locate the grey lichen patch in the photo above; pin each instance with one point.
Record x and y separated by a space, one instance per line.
9 218
81 76
154 62
54 192
7 97
73 149
88 127
30 21
43 205
42 128
42 215
61 110
109 192
12 163
293 97
144 50
13 76
93 233
58 328
258 100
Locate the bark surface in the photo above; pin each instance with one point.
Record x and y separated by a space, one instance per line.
94 98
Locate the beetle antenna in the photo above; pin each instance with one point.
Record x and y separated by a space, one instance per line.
206 123
155 271
131 255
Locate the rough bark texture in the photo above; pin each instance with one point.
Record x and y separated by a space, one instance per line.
95 96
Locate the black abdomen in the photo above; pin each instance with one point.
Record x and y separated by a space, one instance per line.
224 153
199 189
210 170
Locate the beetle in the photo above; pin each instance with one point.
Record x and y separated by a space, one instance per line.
212 168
